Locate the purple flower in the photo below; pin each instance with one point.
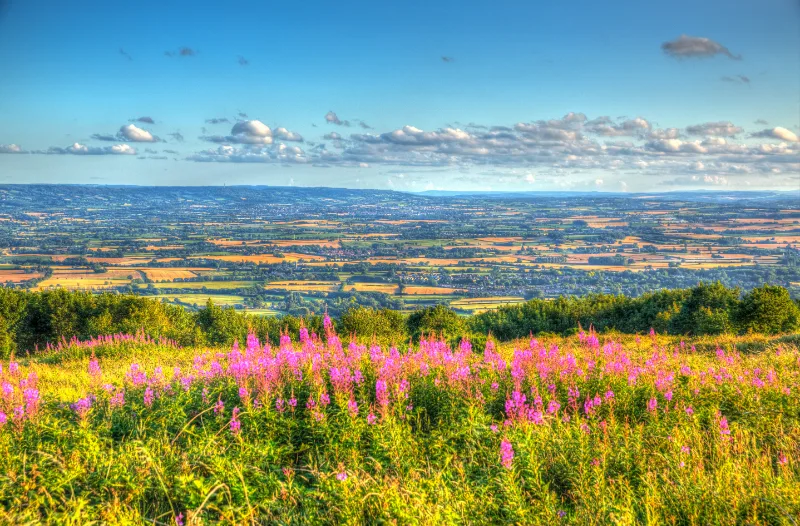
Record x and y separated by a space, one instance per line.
149 396
352 407
341 476
3 419
179 519
371 418
235 424
723 426
94 368
82 406
689 410
506 454
652 404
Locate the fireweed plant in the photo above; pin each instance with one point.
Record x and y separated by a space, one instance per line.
584 431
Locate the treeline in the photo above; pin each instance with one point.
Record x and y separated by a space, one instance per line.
31 320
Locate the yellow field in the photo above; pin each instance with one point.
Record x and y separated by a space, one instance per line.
15 276
419 289
320 286
388 288
168 274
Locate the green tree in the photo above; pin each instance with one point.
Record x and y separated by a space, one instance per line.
768 310
439 320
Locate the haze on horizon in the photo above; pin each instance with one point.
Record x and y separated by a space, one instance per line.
507 96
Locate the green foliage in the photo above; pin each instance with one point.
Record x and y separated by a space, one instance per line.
385 325
768 310
439 320
29 320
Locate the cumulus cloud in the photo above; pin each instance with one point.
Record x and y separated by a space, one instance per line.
332 118
630 127
696 47
254 132
274 153
82 149
332 136
10 148
133 133
777 133
128 132
717 129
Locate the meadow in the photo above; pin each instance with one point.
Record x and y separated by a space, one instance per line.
589 429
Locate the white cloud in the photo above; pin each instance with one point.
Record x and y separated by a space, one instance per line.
715 129
777 133
82 149
10 148
133 133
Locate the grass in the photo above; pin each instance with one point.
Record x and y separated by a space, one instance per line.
316 434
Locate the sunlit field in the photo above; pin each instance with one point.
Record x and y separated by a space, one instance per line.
582 430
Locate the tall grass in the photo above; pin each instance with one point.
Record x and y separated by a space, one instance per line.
573 430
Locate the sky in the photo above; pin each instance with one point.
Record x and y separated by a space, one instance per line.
417 95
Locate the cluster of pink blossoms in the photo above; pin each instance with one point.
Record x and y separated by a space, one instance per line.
535 385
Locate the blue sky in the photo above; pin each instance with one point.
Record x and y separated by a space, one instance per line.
637 96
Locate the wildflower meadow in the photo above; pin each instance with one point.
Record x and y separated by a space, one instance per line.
590 429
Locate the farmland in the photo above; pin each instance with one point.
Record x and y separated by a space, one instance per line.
302 251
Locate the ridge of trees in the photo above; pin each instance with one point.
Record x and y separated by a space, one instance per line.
31 320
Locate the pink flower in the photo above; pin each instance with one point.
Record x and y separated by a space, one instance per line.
341 476
94 368
652 404
352 407
689 410
723 426
371 418
149 396
494 428
179 519
235 424
506 454
782 460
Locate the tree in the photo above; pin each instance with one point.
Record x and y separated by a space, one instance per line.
366 323
439 320
768 310
707 310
